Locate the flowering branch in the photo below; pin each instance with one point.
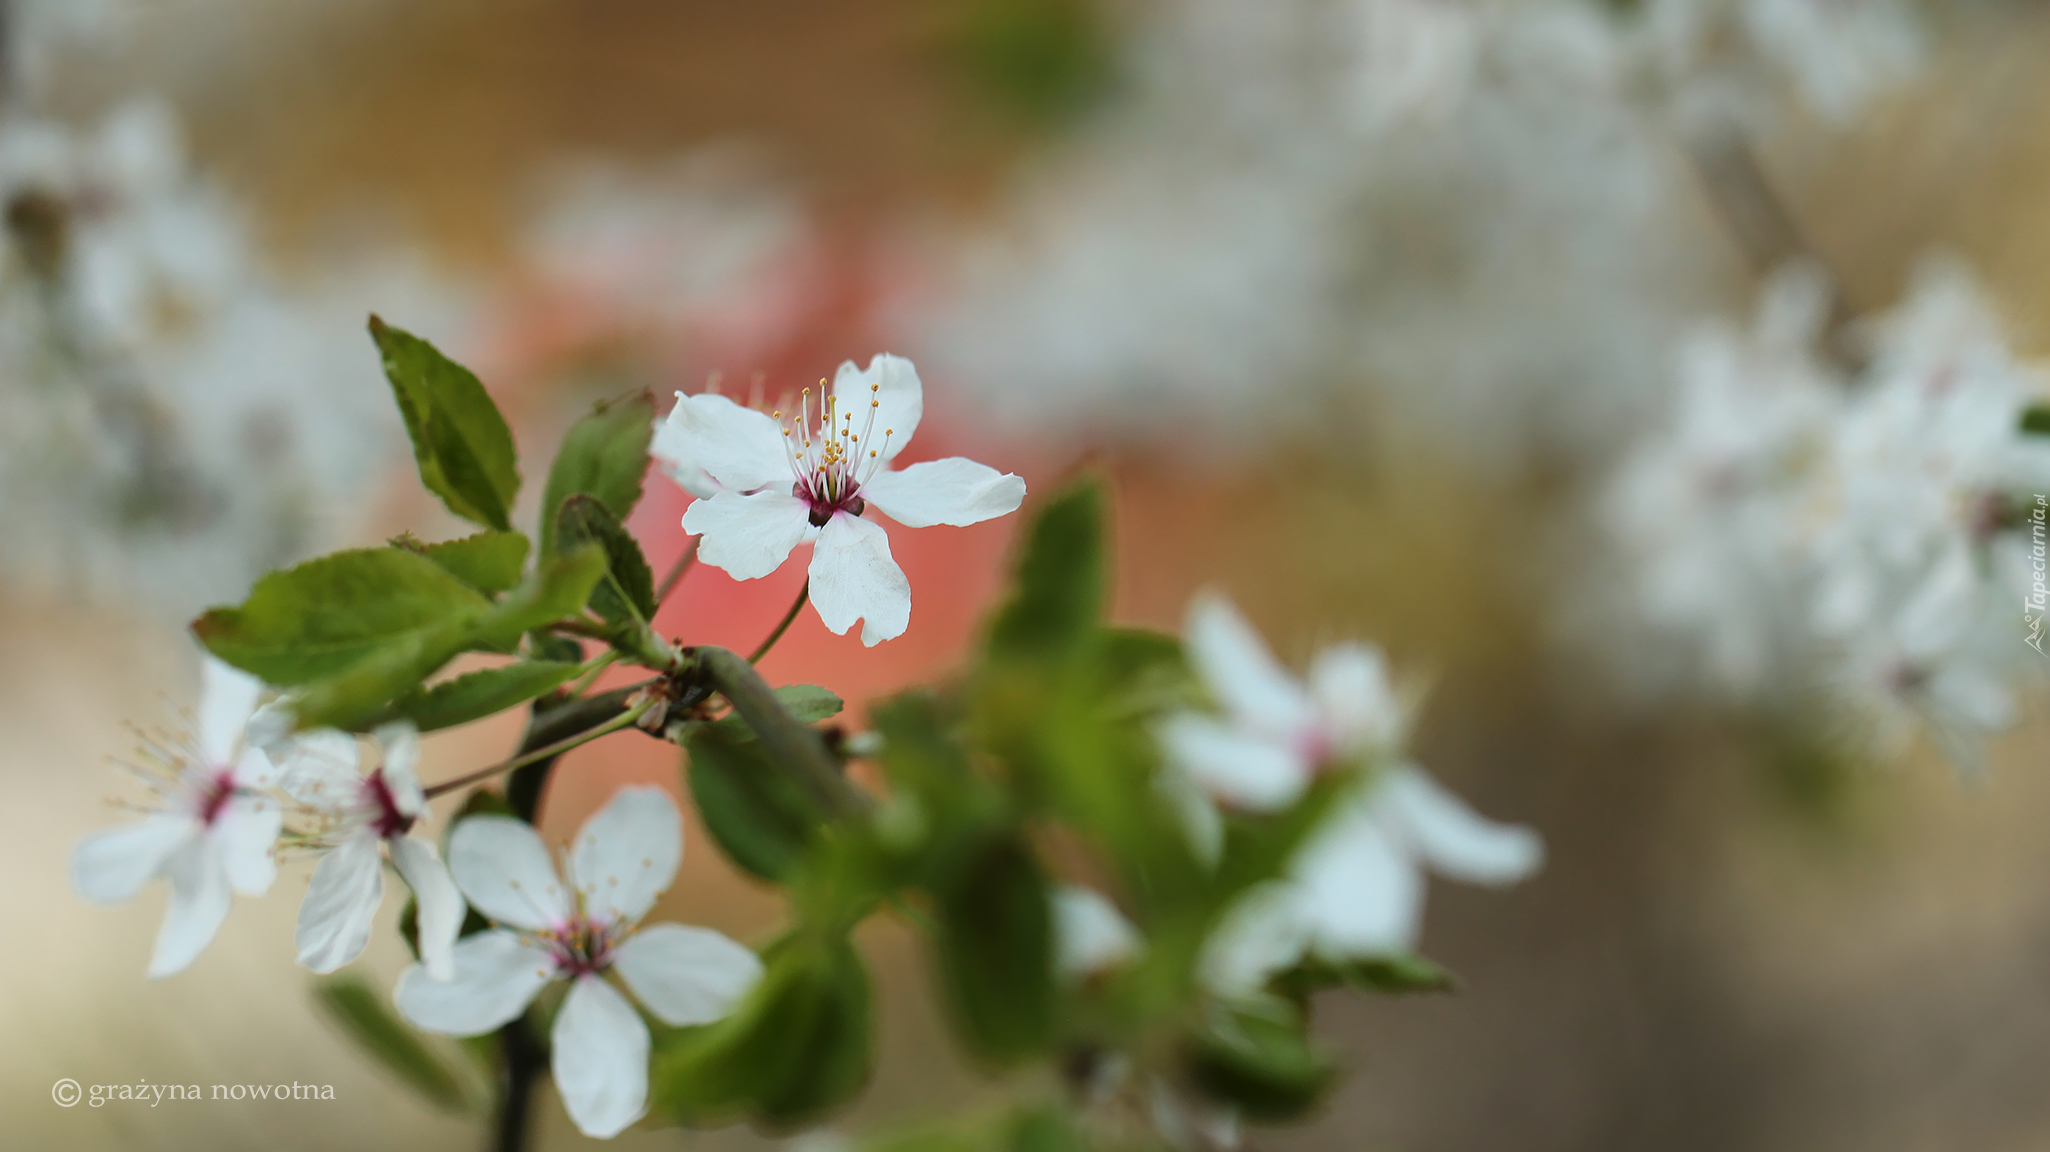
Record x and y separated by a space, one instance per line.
787 740
550 751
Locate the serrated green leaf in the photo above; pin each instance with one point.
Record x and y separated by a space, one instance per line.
322 616
625 594
761 817
460 440
486 692
355 698
995 943
355 1008
604 456
797 1046
1057 590
557 589
490 562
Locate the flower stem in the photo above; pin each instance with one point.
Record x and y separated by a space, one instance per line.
788 741
676 571
797 605
556 749
593 667
524 1062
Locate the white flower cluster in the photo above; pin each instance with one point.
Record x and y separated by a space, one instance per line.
1858 535
1304 196
228 798
174 418
1355 889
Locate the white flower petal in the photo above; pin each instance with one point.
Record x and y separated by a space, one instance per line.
627 853
497 975
891 384
1241 768
687 975
401 768
334 919
255 769
953 491
1200 819
199 902
1090 934
1240 671
1451 837
439 905
504 869
227 699
748 536
854 578
246 832
1263 932
600 1059
1362 894
112 866
709 444
320 769
1349 682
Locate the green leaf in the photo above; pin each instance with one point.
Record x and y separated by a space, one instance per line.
1045 1130
2036 420
1058 587
761 817
1260 1060
354 1007
809 703
625 594
357 696
557 589
319 618
797 1046
1395 974
806 703
490 562
475 695
460 441
995 942
604 456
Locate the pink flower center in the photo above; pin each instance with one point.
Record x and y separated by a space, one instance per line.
387 820
583 946
215 794
834 459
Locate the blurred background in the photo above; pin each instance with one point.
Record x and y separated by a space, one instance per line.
1362 304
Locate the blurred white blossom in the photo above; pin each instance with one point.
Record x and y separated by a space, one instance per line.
1848 532
174 417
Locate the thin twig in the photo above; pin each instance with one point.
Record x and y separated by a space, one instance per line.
676 571
556 749
796 605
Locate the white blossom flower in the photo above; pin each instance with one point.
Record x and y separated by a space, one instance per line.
577 928
357 814
1355 889
209 831
763 488
1090 934
1706 508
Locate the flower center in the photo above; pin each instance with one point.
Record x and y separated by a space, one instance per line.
215 794
833 459
385 819
583 946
